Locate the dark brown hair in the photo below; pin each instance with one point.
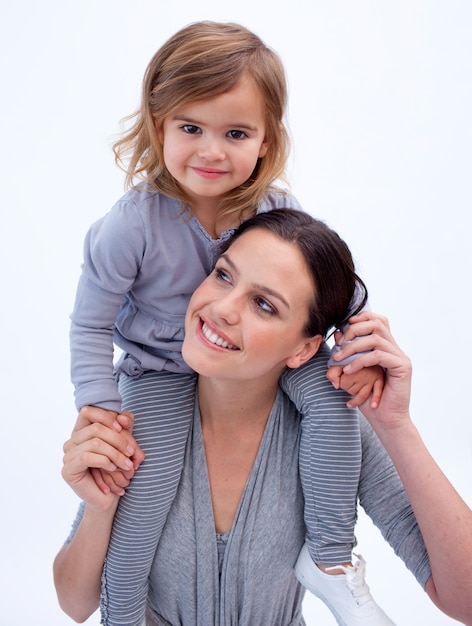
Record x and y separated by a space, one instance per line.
338 291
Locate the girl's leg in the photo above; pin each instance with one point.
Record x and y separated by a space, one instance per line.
330 460
163 404
330 463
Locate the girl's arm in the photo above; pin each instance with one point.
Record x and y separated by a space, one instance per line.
78 565
113 251
443 517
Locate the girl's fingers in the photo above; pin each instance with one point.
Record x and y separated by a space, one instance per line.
110 482
99 480
125 420
377 392
94 414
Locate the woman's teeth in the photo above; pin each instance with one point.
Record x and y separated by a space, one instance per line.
214 338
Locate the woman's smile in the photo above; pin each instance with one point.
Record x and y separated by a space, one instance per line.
215 338
246 324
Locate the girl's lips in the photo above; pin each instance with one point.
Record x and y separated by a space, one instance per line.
209 173
215 337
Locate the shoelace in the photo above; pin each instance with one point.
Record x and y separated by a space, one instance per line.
355 575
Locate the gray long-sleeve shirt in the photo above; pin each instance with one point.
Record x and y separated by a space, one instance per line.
256 584
268 532
142 262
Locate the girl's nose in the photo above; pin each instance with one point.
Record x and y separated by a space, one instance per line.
211 149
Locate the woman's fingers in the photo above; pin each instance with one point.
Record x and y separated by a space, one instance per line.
373 337
96 440
121 423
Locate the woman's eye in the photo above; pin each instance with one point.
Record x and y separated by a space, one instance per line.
190 129
264 306
237 134
222 275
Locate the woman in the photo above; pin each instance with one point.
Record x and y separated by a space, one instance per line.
226 555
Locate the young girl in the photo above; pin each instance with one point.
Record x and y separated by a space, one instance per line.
208 142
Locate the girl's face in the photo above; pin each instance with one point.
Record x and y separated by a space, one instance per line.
246 320
212 146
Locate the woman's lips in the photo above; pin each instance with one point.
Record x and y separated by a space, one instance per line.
216 338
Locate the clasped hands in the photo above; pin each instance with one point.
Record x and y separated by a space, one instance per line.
101 456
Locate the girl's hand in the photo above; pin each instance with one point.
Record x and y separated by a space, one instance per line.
95 445
362 385
375 339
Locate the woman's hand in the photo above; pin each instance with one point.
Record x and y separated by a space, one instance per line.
96 444
117 480
445 520
101 441
375 339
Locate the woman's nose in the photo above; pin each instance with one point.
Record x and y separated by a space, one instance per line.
228 308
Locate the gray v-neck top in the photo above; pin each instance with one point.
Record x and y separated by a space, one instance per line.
246 576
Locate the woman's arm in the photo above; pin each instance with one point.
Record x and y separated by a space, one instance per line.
78 565
444 518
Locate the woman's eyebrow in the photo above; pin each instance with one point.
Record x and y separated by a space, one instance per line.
257 286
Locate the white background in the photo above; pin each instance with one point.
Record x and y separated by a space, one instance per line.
380 102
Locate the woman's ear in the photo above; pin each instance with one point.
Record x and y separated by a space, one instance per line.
308 349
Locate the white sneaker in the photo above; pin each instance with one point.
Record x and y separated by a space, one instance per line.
346 595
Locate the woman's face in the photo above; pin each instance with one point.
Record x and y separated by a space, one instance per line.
246 320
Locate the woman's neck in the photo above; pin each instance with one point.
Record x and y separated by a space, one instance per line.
233 418
229 404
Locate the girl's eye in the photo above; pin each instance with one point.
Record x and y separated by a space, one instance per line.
190 129
264 306
237 134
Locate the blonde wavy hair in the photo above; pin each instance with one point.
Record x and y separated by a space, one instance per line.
203 60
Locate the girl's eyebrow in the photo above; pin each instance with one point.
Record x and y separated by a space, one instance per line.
179 117
258 287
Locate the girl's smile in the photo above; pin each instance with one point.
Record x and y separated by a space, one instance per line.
211 174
